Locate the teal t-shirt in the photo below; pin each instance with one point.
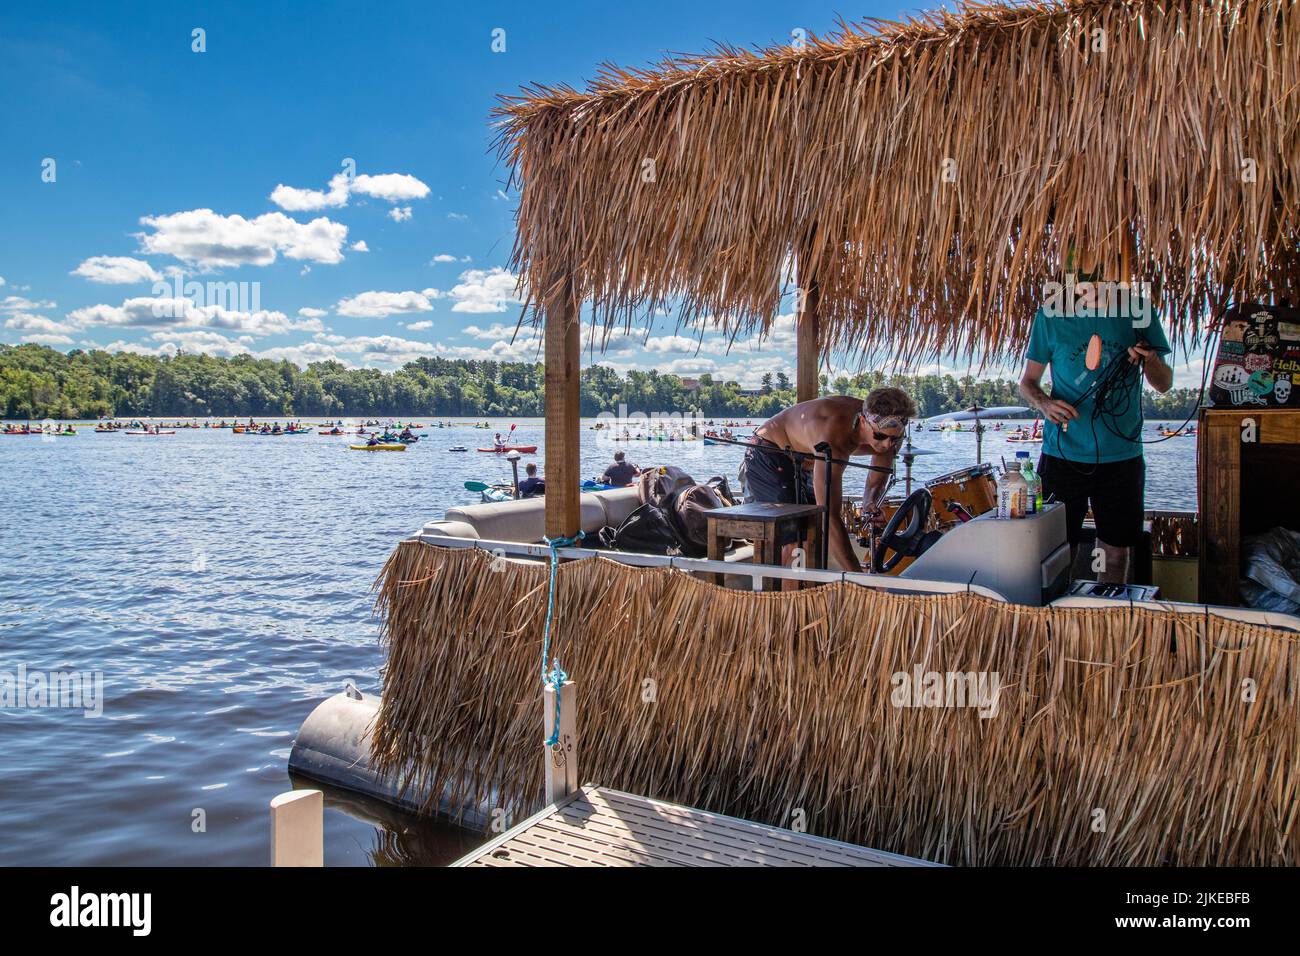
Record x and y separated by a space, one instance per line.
1061 343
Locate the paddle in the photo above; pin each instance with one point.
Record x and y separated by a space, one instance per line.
476 486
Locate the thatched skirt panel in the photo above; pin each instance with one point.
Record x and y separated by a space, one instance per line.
1117 736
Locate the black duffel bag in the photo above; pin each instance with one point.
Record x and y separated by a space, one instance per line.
645 531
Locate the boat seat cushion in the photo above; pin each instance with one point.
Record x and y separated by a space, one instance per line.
525 520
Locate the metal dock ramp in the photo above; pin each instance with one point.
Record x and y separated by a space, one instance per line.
595 826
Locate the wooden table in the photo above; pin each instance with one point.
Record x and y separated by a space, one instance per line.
769 527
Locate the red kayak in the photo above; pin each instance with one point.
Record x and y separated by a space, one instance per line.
523 449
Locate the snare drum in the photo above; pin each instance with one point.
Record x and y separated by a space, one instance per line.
970 490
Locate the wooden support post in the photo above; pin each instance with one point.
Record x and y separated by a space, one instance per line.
563 426
808 343
298 829
562 759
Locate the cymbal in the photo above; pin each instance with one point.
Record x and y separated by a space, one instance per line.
915 452
977 411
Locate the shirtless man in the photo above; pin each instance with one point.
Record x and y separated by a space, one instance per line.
851 426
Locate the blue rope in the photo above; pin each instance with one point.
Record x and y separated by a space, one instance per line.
556 677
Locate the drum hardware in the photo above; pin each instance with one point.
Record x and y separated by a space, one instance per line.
972 490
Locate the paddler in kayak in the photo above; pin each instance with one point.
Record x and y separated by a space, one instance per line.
531 486
620 473
499 443
873 426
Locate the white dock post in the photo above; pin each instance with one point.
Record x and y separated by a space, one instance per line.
298 828
561 760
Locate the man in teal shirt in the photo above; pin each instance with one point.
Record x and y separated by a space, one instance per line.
1091 454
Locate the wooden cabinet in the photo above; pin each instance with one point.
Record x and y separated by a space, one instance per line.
1248 480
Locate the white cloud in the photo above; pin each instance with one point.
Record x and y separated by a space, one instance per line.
379 305
457 217
116 270
17 303
42 339
156 312
442 257
310 313
672 343
359 246
391 186
399 213
26 322
203 237
211 343
482 291
394 187
2 280
497 331
419 326
302 200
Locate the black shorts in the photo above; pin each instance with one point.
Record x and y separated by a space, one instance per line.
769 474
1116 489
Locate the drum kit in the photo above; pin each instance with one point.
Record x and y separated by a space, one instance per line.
903 527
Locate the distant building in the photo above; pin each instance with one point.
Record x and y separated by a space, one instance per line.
691 384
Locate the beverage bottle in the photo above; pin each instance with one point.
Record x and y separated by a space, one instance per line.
1012 492
1034 484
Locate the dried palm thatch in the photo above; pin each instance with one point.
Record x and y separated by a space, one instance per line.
1120 736
929 174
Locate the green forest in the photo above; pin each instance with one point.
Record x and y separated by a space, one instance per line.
37 382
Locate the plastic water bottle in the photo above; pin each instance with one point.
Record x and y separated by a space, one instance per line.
1012 492
1034 484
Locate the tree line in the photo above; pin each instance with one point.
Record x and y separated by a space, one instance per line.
37 382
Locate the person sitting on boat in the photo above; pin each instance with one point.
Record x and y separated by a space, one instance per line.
621 472
406 434
498 442
873 426
531 486
1100 459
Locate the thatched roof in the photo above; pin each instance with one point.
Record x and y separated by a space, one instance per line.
927 173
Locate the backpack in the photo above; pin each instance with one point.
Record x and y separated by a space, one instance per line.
647 530
658 484
688 510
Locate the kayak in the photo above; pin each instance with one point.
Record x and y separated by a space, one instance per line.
381 447
457 448
148 433
523 449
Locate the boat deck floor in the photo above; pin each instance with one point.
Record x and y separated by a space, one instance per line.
601 827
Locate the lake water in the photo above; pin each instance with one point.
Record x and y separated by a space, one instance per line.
220 583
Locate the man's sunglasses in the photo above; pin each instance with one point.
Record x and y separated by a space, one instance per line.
881 436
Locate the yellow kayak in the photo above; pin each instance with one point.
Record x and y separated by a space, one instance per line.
395 446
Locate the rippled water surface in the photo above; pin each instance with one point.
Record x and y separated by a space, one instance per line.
221 584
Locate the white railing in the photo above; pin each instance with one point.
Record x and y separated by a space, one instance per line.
1247 615
758 573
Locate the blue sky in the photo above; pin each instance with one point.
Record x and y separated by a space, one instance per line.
227 165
